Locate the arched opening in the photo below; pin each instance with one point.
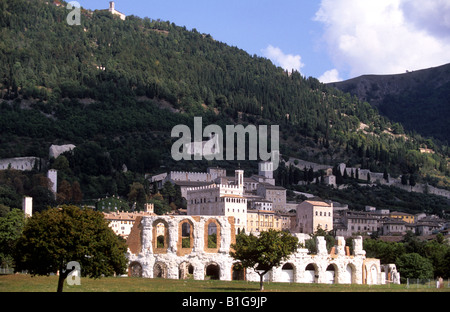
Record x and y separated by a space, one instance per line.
185 237
287 273
212 271
348 276
160 270
311 274
212 236
160 236
237 272
135 269
186 271
330 274
372 276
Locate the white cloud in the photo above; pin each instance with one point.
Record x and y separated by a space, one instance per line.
330 76
287 61
386 36
432 16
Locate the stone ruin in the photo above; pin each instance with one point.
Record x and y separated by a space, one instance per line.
180 247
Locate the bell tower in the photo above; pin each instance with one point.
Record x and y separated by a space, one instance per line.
239 178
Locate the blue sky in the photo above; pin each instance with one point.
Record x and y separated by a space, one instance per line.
327 39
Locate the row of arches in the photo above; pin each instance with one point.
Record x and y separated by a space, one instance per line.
288 273
185 270
186 236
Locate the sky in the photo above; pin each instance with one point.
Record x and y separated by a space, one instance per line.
331 40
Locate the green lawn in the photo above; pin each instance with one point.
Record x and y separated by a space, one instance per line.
26 283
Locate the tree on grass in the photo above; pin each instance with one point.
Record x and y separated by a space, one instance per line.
11 226
413 265
55 237
263 252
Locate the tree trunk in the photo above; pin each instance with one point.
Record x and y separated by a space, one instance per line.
61 279
261 282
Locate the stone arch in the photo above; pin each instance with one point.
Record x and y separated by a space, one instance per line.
349 274
311 273
371 274
160 270
331 274
160 241
212 271
238 272
185 270
135 269
212 225
185 241
287 273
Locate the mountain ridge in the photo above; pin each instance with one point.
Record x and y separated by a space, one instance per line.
128 68
408 98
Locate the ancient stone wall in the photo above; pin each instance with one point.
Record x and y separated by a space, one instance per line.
185 252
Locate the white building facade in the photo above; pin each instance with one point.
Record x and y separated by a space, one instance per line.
220 200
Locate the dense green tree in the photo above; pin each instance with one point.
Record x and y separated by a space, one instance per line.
56 237
263 252
137 196
387 252
11 226
413 265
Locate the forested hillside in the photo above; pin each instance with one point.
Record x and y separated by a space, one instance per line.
116 88
419 100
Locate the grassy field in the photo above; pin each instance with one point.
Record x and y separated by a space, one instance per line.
26 283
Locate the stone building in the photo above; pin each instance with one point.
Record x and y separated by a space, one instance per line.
275 194
187 253
409 218
262 220
350 222
393 227
20 163
220 200
112 9
122 221
314 214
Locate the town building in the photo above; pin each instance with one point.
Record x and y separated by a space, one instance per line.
122 221
112 9
21 163
185 179
428 225
349 222
112 203
393 227
275 194
220 200
262 220
314 214
409 218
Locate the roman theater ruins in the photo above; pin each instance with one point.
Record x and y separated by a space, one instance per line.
181 246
